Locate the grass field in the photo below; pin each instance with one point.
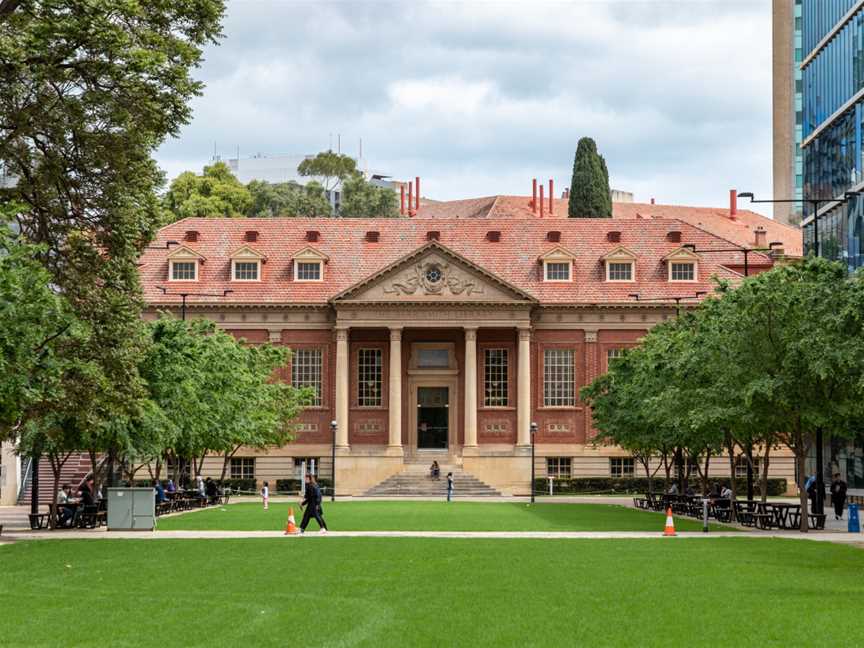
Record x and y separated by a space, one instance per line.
434 516
430 592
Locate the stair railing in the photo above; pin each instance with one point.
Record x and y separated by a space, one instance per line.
26 475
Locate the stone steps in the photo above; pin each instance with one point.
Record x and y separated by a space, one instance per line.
414 481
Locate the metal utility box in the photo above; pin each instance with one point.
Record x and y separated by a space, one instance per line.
131 509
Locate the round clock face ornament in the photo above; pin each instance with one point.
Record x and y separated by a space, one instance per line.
433 274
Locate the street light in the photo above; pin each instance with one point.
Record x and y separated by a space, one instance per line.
333 426
814 202
677 300
167 246
533 434
744 250
184 295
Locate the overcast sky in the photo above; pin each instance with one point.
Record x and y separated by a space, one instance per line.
477 98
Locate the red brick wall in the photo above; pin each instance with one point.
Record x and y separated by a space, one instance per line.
253 336
368 425
557 424
497 424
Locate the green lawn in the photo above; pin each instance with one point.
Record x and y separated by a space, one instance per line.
430 592
434 516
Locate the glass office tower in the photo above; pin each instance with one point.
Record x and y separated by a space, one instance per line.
832 76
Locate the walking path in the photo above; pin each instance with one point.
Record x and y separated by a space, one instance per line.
102 534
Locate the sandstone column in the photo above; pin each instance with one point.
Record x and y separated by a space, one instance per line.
394 425
470 387
342 379
523 394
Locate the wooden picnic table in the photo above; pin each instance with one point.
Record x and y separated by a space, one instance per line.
783 511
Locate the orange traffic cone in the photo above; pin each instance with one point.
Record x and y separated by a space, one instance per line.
670 523
291 527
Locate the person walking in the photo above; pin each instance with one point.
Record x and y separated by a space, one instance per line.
265 495
312 502
449 486
838 496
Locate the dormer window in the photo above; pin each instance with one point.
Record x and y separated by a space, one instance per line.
620 265
309 265
183 263
557 270
683 265
246 270
557 265
685 271
246 264
308 271
184 271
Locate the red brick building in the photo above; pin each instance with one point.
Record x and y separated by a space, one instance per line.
446 335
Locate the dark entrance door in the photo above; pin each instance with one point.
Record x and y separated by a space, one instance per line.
433 417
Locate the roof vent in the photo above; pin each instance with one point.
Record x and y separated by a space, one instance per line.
251 236
613 237
191 236
673 237
433 235
553 236
372 236
312 235
493 236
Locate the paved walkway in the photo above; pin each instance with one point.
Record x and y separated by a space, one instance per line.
102 534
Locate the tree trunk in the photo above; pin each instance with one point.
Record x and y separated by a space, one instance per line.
227 459
763 475
730 449
800 458
705 473
667 467
57 464
679 468
748 453
646 463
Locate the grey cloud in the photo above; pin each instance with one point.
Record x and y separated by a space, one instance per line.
479 97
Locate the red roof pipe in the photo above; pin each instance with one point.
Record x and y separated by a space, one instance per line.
402 199
410 198
733 202
541 201
417 192
551 196
534 195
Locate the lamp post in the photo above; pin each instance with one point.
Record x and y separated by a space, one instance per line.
184 295
533 434
333 426
746 251
677 300
815 203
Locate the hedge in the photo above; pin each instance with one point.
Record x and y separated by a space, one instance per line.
293 485
638 485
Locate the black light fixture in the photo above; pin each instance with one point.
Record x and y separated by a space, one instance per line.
533 435
333 427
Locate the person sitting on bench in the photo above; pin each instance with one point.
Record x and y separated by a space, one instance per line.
65 513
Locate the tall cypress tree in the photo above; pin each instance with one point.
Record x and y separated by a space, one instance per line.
589 189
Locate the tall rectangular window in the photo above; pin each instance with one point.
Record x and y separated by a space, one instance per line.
682 272
495 364
613 354
306 371
243 468
183 270
559 380
369 377
245 271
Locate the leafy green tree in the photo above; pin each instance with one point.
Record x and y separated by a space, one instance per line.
89 90
362 199
332 168
216 192
288 199
590 196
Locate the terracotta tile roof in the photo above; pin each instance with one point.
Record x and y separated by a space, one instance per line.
740 230
352 258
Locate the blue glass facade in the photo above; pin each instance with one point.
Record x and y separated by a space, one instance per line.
833 160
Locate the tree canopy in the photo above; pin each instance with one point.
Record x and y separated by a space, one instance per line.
590 195
362 199
767 363
216 192
288 199
332 168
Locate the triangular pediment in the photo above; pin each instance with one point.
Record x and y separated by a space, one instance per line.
433 273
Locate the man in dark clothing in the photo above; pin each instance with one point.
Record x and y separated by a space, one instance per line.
312 502
838 496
